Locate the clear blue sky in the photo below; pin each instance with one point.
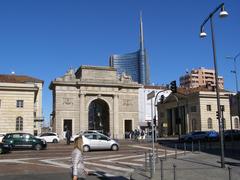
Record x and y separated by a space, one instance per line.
43 38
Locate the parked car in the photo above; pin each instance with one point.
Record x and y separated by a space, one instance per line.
98 141
49 137
24 140
200 136
1 136
4 148
212 135
234 133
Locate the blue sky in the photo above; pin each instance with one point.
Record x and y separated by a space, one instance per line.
44 38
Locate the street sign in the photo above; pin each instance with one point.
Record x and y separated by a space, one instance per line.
151 95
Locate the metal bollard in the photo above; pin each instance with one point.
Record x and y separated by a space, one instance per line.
145 161
184 146
165 153
229 173
192 147
156 155
199 146
150 165
130 177
175 151
174 172
161 162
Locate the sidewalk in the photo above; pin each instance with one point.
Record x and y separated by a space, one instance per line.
194 166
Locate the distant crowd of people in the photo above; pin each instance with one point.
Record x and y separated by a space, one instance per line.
136 134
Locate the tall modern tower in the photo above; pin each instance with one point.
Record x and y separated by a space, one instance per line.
134 64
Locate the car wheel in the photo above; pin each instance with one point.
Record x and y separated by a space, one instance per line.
1 150
86 148
38 147
55 141
114 147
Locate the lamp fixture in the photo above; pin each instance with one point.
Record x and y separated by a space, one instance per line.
223 13
203 34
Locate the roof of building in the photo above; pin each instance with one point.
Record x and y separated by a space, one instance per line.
186 91
12 78
97 67
154 87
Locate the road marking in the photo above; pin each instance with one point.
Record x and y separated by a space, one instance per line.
92 158
120 158
110 167
17 160
128 163
50 161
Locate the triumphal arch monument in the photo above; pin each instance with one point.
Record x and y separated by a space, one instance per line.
95 98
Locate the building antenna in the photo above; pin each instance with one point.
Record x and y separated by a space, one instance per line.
141 33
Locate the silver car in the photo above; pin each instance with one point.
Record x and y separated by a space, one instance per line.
98 141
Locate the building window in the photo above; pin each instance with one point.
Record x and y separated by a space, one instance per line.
19 124
193 109
209 108
236 123
209 122
19 104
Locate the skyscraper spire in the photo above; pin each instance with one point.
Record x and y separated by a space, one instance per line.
141 33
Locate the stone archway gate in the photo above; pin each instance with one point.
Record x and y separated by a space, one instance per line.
73 93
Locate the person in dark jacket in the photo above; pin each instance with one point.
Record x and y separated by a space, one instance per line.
68 136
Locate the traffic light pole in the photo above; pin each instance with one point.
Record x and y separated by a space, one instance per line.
153 138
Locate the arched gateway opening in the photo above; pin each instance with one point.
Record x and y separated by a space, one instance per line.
98 116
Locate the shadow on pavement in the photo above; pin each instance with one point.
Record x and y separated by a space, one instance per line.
102 175
231 148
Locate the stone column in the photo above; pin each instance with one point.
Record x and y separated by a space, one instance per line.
82 112
115 125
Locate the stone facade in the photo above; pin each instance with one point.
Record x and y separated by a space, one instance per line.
75 92
195 111
15 88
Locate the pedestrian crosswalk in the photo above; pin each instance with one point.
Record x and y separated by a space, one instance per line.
100 164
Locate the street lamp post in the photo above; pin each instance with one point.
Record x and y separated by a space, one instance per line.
223 13
236 79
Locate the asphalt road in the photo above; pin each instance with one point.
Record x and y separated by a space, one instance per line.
55 162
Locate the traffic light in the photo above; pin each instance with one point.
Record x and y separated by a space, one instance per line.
162 99
173 86
154 121
217 114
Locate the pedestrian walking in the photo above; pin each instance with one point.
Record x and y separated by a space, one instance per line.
78 171
68 136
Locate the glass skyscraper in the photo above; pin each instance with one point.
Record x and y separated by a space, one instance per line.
134 64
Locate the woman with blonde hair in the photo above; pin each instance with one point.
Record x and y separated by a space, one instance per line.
78 171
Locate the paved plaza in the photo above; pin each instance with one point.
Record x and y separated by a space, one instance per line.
55 162
127 163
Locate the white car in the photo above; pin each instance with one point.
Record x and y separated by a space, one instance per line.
83 132
1 136
50 137
98 141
